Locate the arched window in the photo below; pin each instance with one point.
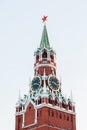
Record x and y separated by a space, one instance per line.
56 114
67 117
39 100
37 58
60 116
49 112
52 57
37 113
63 102
20 107
44 55
57 101
50 99
70 104
52 113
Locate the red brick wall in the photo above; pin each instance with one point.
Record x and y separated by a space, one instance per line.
29 115
55 118
18 122
48 118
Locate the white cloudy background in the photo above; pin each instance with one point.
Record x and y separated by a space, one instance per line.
20 33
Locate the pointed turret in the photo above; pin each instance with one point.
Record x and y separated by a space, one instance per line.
44 40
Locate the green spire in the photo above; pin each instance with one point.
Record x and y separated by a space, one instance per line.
44 40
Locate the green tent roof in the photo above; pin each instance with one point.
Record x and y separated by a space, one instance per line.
44 40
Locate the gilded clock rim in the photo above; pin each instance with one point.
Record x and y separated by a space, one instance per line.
39 84
50 84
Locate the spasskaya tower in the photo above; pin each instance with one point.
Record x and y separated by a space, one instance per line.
45 108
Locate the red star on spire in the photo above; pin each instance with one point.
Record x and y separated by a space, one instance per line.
44 18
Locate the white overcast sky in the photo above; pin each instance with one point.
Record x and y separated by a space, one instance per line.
20 33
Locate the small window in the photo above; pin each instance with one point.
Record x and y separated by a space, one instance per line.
56 114
67 118
49 112
60 116
50 99
37 114
52 113
20 108
70 105
29 107
39 100
37 57
33 100
52 57
56 101
63 102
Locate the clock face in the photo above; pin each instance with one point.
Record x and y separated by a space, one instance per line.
53 83
36 83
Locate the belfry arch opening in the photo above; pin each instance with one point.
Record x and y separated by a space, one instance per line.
44 55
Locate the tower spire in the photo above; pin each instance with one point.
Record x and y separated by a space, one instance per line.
44 39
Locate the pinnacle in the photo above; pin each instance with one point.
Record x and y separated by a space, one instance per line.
44 40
